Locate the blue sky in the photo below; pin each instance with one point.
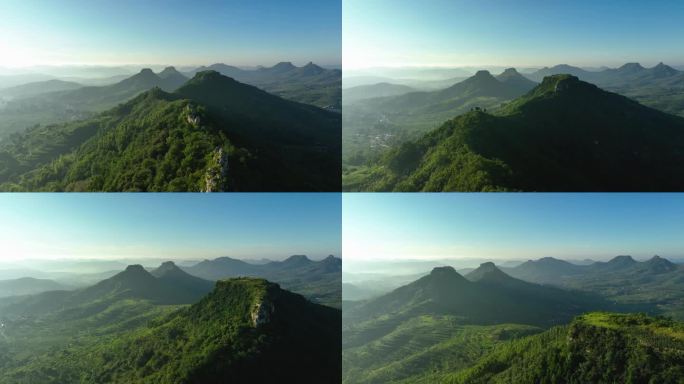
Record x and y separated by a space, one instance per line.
517 33
173 226
511 226
178 32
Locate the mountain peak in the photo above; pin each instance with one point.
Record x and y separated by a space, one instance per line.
489 272
166 268
283 66
663 70
658 264
169 71
622 259
443 271
631 66
207 75
297 259
565 83
510 71
146 71
135 268
483 73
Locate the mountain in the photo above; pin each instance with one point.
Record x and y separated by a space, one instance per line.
562 69
594 348
654 286
491 297
169 274
481 85
230 335
444 322
221 268
37 88
545 270
171 79
615 264
373 126
309 84
212 134
320 281
104 97
172 286
81 103
489 273
564 135
371 91
515 80
28 286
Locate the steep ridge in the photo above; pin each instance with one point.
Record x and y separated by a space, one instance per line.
564 135
212 134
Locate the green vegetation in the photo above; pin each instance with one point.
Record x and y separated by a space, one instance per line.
595 348
492 328
213 134
71 104
126 330
564 135
422 347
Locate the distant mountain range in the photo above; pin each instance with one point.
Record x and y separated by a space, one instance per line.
655 285
320 281
310 84
564 135
212 134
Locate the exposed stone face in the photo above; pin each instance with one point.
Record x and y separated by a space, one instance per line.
215 179
192 117
261 314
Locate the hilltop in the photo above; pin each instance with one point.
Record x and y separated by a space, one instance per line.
594 348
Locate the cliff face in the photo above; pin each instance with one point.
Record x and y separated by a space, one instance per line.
217 173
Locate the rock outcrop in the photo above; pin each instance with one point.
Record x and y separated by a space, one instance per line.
217 173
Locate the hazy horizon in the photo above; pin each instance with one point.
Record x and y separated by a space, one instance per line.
511 226
79 32
497 33
169 226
